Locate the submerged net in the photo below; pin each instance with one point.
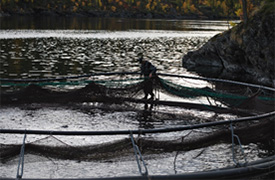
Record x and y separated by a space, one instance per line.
230 98
128 87
52 147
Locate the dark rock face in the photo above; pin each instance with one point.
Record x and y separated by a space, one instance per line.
245 52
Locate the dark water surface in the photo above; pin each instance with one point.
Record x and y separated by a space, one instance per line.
112 24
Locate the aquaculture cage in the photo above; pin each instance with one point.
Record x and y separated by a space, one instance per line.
184 145
129 85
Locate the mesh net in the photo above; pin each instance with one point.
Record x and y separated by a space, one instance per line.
125 87
53 147
232 98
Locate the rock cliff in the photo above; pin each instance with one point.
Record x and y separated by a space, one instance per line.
246 52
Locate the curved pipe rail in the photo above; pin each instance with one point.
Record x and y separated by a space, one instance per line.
220 80
137 73
140 131
230 173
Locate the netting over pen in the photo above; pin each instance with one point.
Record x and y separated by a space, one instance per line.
108 87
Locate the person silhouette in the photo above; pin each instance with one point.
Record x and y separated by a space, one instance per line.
148 70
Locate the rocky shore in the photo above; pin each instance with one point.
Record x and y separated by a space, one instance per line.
246 52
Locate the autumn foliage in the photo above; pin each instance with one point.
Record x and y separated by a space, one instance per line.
199 8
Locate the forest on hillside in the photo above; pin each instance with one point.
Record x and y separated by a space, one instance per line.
132 8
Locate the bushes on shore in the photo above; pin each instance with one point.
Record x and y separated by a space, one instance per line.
131 8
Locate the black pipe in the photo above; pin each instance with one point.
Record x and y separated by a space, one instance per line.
186 105
140 131
232 173
137 73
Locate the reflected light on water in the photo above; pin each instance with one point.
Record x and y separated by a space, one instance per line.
49 53
15 34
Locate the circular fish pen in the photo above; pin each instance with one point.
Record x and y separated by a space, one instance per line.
97 126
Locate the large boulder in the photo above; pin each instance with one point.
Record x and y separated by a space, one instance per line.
245 52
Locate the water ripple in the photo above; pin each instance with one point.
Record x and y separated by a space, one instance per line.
102 34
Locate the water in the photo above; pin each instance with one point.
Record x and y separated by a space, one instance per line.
57 47
112 24
52 47
54 117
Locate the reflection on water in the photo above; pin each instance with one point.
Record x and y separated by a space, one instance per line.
113 24
102 34
33 47
52 57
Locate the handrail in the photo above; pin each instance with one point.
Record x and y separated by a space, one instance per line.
137 73
231 173
140 131
220 80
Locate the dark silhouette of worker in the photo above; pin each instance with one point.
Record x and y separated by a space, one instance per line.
149 72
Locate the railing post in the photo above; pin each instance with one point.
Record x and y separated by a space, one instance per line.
138 153
233 146
21 160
